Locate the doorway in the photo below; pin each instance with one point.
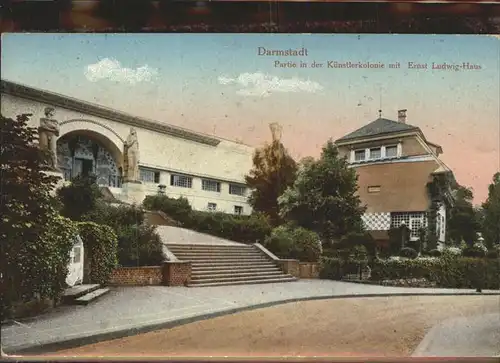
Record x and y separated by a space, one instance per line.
83 167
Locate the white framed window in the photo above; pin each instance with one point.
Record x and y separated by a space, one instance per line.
238 209
375 153
212 207
391 151
181 181
210 185
374 189
149 176
413 220
359 155
237 189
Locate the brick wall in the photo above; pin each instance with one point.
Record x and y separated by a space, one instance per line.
309 270
176 273
146 275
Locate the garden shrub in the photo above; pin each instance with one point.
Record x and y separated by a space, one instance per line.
476 250
139 246
435 253
351 240
79 198
336 268
290 242
178 209
408 252
116 216
101 244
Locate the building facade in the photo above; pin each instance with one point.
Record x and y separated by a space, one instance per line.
395 163
207 170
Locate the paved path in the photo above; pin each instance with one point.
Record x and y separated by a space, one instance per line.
177 235
477 336
128 311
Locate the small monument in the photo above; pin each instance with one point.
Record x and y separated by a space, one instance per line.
48 132
133 190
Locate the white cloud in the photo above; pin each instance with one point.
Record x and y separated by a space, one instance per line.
112 70
260 84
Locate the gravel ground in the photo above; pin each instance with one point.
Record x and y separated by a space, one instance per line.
382 326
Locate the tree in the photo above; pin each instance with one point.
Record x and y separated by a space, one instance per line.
463 222
324 196
79 198
273 171
35 241
491 210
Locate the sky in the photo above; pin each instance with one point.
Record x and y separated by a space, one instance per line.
218 84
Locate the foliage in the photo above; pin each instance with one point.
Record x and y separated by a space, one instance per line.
240 228
272 173
79 198
491 210
101 244
408 252
463 223
398 239
476 250
178 209
336 268
291 242
139 245
447 272
35 241
435 253
356 239
324 196
493 253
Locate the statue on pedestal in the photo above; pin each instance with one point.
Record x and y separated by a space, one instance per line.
131 157
48 132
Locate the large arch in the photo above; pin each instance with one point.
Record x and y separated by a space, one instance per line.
91 126
84 151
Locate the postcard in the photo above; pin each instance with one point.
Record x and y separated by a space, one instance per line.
259 195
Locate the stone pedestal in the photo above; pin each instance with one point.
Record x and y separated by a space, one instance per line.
133 192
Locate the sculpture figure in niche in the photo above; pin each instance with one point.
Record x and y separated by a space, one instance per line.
48 132
131 157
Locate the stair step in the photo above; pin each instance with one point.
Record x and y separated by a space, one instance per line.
197 271
211 263
87 298
74 292
218 256
209 247
196 277
240 278
217 253
229 260
247 282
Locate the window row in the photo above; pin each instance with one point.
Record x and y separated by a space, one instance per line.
383 152
184 181
414 221
212 207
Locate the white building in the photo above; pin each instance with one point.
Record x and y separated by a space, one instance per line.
207 170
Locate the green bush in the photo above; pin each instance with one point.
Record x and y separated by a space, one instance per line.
245 229
101 244
139 246
351 240
408 252
79 198
116 216
447 272
476 250
435 253
178 209
294 243
493 253
337 268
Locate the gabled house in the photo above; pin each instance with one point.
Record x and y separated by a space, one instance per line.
400 177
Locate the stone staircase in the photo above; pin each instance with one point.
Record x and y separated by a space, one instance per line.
83 294
217 265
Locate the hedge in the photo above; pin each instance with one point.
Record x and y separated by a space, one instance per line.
101 244
290 242
336 268
240 228
447 272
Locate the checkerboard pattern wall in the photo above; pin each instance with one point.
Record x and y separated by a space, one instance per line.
377 221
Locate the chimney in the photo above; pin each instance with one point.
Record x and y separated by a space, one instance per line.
402 116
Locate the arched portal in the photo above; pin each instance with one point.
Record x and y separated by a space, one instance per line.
86 152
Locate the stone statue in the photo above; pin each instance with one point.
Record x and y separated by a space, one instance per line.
131 157
48 132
